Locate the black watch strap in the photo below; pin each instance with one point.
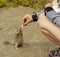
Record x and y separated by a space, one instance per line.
35 17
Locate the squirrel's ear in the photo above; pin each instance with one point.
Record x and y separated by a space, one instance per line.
17 28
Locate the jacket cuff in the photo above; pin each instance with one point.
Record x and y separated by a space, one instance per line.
48 9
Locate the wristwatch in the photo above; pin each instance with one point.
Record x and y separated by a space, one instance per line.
34 17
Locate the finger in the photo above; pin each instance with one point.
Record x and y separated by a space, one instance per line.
25 23
24 20
22 26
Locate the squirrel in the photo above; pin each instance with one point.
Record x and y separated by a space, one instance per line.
19 38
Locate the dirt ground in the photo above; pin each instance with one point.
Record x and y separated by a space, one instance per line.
35 43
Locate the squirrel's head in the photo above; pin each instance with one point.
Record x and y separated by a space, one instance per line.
18 30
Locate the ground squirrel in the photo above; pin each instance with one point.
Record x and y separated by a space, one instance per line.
19 38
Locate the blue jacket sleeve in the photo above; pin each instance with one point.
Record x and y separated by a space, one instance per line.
53 16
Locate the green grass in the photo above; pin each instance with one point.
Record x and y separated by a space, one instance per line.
28 3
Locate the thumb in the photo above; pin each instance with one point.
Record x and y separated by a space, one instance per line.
25 23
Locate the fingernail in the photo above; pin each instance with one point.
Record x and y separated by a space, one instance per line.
22 26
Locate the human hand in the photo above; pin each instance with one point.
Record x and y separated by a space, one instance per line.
27 19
